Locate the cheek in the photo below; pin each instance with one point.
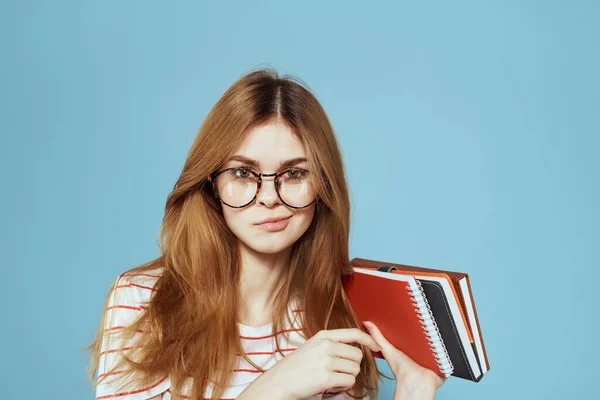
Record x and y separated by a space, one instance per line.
299 223
234 218
304 219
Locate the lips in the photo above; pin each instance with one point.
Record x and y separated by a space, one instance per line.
273 219
277 226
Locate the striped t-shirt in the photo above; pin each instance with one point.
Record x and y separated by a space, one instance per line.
128 299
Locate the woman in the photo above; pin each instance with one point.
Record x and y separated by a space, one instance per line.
246 299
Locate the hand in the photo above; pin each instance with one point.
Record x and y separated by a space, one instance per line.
411 378
323 362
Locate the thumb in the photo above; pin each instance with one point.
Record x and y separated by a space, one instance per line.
389 351
383 343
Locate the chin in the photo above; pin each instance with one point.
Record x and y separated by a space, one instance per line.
268 246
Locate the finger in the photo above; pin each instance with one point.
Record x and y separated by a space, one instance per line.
349 352
387 349
345 366
348 335
342 380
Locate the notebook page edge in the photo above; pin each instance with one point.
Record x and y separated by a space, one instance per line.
471 314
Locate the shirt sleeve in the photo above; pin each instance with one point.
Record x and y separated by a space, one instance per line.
127 300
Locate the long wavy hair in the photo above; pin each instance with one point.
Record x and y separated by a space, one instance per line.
189 322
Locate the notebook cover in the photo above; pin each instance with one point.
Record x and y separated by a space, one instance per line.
443 318
455 278
388 304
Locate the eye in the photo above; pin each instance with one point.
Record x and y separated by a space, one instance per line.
295 173
242 173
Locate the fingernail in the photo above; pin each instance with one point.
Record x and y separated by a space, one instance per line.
367 324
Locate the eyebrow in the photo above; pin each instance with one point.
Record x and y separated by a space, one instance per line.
253 163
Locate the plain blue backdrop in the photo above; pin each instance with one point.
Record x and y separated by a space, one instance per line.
469 132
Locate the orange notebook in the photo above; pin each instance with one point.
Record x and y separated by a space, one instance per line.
449 304
397 305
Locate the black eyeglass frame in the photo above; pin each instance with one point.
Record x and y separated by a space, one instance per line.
213 177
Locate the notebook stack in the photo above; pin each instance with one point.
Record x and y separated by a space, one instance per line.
428 314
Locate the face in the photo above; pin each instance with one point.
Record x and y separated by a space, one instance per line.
269 145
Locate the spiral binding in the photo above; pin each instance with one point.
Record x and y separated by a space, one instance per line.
431 329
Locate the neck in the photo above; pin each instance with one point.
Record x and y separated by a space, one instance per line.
262 275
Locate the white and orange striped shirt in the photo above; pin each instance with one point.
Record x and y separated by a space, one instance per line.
128 299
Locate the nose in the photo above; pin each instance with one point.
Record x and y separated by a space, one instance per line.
267 195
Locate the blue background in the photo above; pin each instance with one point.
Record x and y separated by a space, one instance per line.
469 132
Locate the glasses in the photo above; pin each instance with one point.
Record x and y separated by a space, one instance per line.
239 186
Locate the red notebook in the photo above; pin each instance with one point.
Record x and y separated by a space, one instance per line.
398 306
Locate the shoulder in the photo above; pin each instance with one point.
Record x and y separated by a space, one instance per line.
143 279
129 296
126 302
137 286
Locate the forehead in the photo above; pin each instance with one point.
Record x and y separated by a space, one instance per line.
271 144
